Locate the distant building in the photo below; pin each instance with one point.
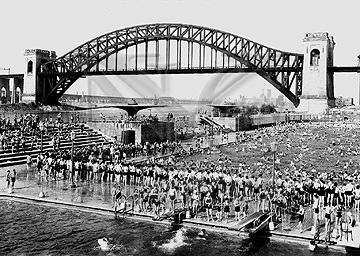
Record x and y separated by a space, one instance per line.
268 94
280 100
344 102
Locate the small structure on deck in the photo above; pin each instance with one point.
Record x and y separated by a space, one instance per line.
253 223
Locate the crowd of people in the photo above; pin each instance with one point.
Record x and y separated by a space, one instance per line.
98 162
12 134
218 188
123 118
23 133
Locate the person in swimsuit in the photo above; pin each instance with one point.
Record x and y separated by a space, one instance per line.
321 193
195 202
245 208
154 200
13 178
219 205
208 206
226 208
114 192
172 196
357 197
262 200
338 220
331 193
316 209
136 200
301 214
237 203
145 200
162 200
8 179
349 188
328 212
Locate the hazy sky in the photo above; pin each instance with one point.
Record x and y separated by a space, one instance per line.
63 25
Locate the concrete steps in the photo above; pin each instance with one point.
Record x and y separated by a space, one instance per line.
46 144
84 137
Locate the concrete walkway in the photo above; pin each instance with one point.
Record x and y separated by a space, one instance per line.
95 195
96 198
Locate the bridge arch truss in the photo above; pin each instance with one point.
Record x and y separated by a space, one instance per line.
171 49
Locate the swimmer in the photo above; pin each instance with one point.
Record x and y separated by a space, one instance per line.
202 234
104 244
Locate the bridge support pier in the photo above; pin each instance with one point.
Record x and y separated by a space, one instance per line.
34 89
12 90
313 106
318 83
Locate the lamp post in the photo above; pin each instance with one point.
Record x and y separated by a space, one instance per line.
41 127
41 194
175 134
274 147
72 136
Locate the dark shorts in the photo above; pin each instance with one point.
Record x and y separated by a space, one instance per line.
256 190
316 210
301 218
226 208
237 208
348 193
327 215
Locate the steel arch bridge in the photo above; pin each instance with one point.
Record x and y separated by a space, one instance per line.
170 49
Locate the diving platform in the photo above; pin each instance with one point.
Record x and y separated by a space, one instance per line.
254 220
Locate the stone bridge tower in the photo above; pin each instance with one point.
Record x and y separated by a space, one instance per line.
33 60
318 83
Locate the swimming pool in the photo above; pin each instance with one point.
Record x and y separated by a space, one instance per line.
31 229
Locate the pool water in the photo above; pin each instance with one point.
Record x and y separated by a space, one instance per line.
32 229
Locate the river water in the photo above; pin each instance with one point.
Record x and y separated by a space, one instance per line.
31 229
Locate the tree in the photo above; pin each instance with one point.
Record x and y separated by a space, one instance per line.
267 109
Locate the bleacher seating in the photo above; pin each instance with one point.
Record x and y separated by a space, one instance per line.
84 136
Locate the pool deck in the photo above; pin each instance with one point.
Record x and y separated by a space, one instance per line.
108 210
95 198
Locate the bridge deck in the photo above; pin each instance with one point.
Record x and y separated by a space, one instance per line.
344 69
12 76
